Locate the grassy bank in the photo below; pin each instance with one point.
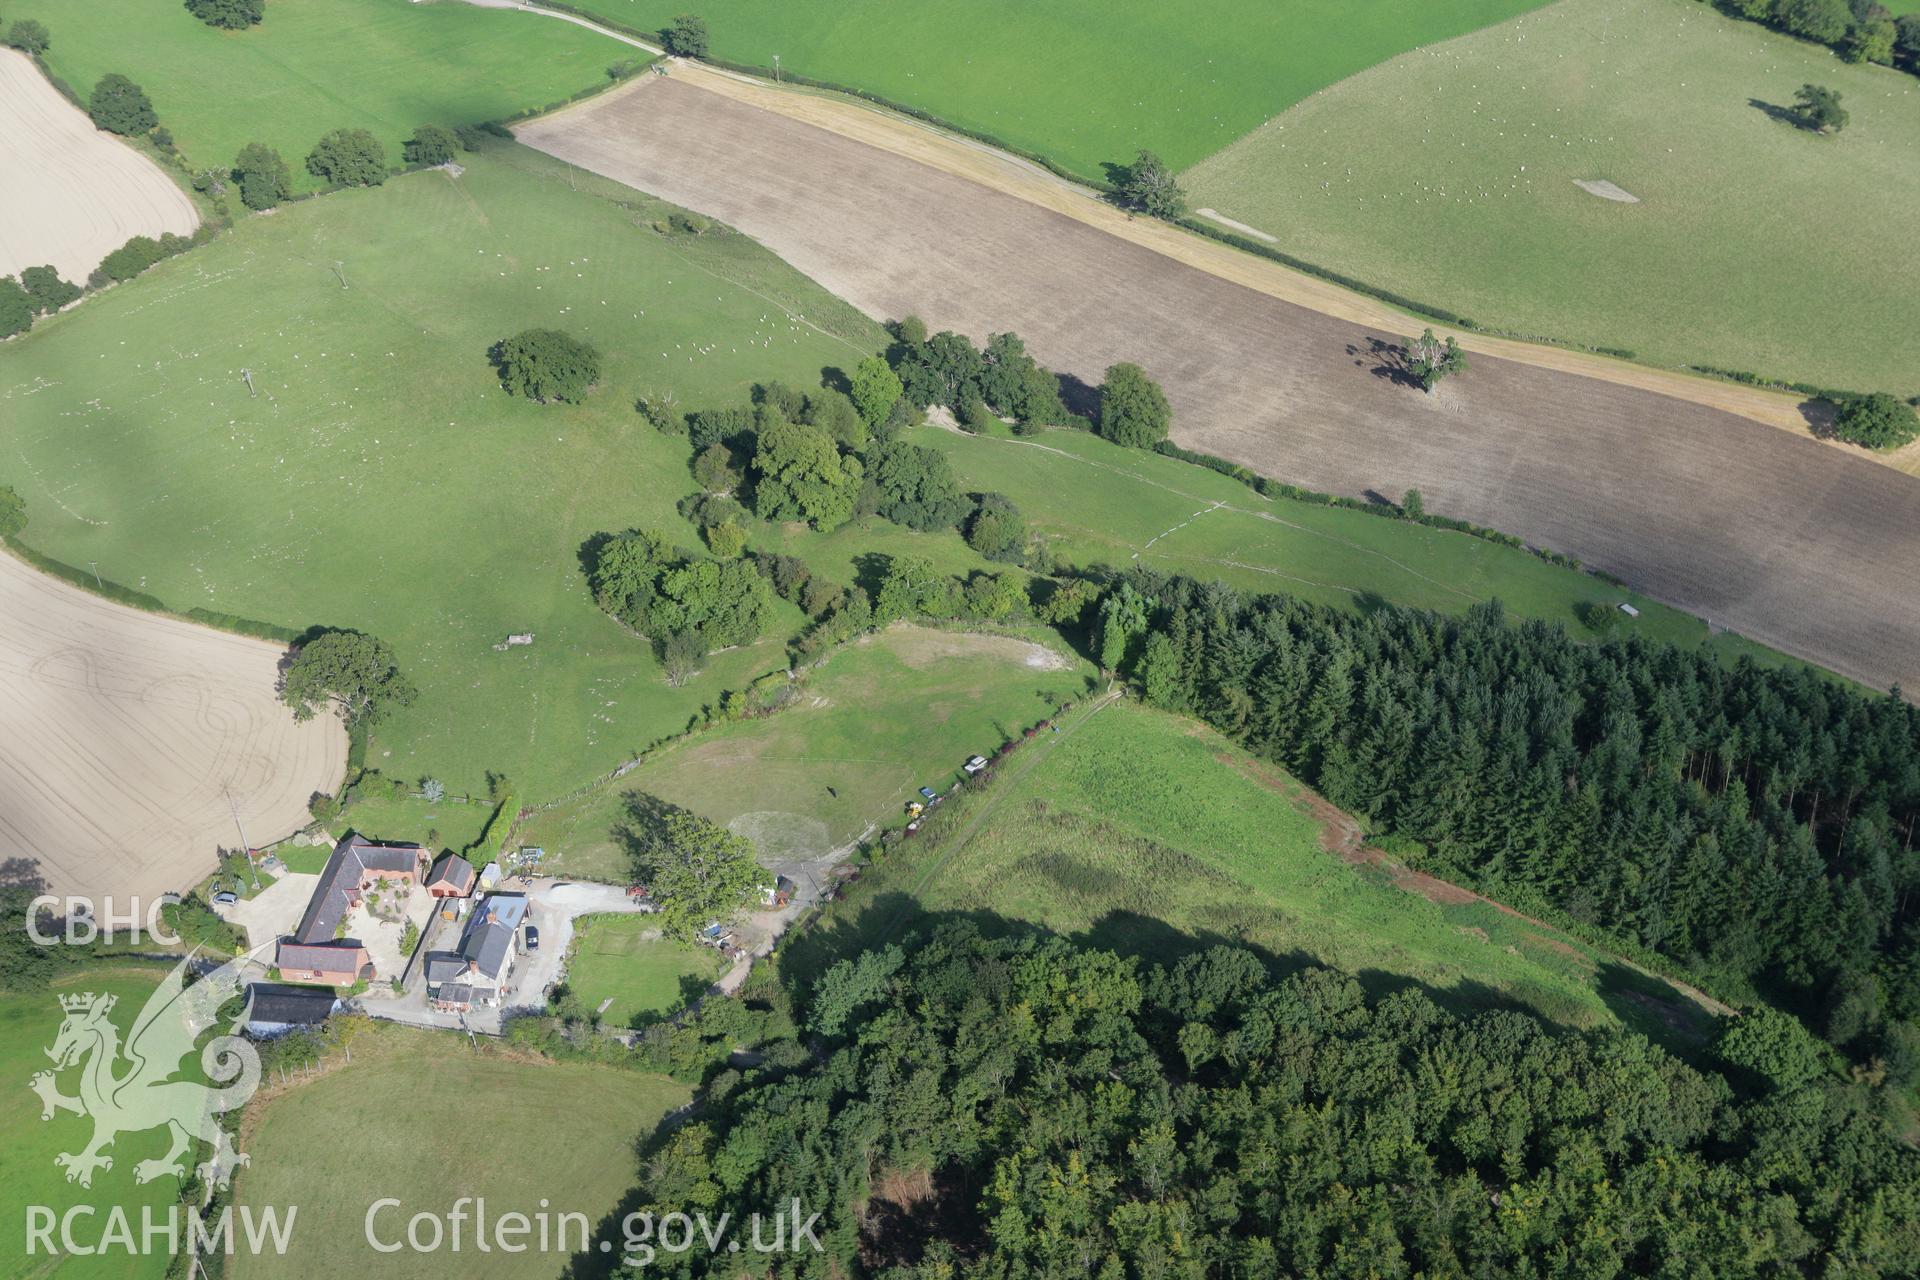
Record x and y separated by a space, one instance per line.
1082 84
1150 834
1448 174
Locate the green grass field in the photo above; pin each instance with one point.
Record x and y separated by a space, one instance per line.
338 497
1151 834
1082 83
28 1176
882 718
381 479
1093 502
422 1117
388 66
636 977
1448 175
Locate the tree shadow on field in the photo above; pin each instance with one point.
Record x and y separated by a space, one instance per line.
1383 359
870 570
642 824
1079 398
1778 114
1821 416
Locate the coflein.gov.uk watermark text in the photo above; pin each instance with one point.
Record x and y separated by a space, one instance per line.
467 1225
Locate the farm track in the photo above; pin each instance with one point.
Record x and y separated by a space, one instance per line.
123 734
1797 545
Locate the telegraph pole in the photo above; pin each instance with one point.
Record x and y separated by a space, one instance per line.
244 844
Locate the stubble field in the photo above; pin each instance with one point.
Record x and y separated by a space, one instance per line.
124 735
70 194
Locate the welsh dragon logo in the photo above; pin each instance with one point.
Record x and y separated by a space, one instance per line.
131 1088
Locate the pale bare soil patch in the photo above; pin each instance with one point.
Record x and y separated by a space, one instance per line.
921 647
1808 548
124 736
69 193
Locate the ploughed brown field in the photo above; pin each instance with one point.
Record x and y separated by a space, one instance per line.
1796 544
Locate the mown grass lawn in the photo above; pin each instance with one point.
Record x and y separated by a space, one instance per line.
882 718
425 1118
381 479
312 66
637 977
29 1022
1448 176
1083 83
1151 834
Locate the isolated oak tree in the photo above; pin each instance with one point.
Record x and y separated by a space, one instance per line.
545 365
1133 410
1819 109
229 15
263 176
1149 186
350 671
120 106
348 158
1429 360
1878 421
697 872
685 36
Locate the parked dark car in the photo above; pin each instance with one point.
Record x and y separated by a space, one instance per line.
533 938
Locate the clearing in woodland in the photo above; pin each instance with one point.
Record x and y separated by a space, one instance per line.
883 717
1150 834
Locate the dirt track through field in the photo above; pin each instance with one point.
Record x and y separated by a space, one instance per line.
1790 542
70 194
123 733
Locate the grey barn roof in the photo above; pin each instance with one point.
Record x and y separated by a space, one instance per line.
351 859
276 1005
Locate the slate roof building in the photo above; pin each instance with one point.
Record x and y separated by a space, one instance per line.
315 952
478 971
274 1010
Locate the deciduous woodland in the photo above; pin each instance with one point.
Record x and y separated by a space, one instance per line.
1025 1107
